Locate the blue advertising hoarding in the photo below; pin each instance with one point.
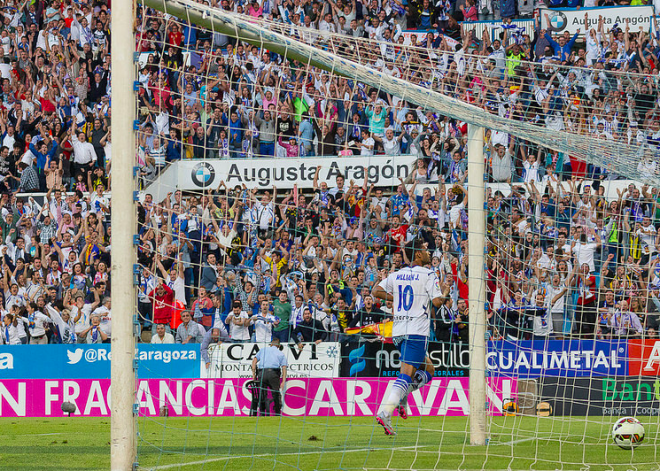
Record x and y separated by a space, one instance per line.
521 359
93 361
567 358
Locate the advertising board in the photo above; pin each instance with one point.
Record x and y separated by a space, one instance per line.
93 361
368 358
560 20
644 357
234 360
287 172
522 359
567 358
603 396
230 397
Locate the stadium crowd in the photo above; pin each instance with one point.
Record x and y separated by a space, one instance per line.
240 264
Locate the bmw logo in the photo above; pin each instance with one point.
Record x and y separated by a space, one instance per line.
203 174
558 21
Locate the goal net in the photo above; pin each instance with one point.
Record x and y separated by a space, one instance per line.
287 172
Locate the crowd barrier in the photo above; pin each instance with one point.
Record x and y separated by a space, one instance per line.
560 20
570 19
196 175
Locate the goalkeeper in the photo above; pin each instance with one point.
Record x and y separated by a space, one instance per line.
410 289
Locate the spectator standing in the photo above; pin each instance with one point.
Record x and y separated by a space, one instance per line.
263 323
38 324
105 314
309 330
282 311
238 322
163 305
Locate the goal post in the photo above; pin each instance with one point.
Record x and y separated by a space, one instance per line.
123 437
477 287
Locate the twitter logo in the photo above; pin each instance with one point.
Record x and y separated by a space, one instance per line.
74 356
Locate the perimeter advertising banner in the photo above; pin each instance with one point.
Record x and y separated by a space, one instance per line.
521 359
605 396
230 397
381 170
566 358
372 358
234 360
560 20
93 361
644 357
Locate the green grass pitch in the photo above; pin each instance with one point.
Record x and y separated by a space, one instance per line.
322 443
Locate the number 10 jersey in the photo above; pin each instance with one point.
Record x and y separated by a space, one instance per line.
412 288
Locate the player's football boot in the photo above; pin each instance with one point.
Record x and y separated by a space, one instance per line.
386 422
402 412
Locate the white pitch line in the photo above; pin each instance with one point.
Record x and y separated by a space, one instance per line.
514 442
225 458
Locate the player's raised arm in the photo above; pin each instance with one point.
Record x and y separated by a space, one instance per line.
380 293
435 290
383 290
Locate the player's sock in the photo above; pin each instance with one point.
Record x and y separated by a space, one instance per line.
404 399
399 390
420 378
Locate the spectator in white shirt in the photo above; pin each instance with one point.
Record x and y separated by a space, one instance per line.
238 322
93 333
175 280
625 323
64 324
84 155
80 312
106 316
391 143
38 322
367 144
162 336
13 297
584 251
13 330
263 323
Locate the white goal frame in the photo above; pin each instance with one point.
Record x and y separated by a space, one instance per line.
123 439
123 435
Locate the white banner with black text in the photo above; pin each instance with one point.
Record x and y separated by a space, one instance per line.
560 20
195 175
234 360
